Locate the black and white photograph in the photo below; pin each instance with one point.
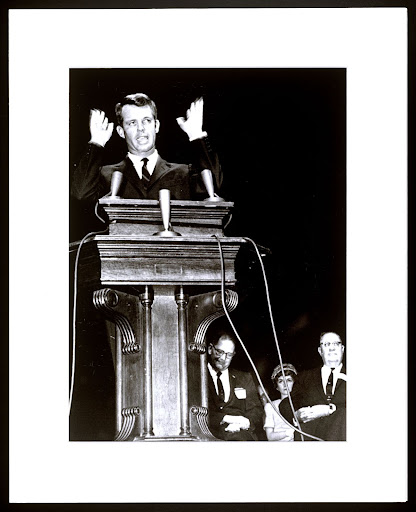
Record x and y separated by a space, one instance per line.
234 202
272 142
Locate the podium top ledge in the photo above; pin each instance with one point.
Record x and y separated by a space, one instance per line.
109 201
144 216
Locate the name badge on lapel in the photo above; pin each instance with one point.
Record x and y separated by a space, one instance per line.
240 393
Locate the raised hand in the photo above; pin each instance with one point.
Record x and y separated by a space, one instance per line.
191 124
100 129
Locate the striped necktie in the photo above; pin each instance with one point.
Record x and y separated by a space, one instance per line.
145 172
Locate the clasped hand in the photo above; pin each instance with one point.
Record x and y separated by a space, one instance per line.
306 414
236 423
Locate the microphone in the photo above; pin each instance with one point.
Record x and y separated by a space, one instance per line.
164 202
209 185
116 180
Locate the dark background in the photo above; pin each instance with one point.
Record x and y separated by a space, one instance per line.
281 138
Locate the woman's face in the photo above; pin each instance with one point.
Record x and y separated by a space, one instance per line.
282 387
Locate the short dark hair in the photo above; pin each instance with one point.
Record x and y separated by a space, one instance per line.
140 100
287 374
289 369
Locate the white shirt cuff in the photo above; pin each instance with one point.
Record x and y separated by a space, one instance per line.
92 141
198 136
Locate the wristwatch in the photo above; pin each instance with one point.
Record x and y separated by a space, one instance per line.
332 408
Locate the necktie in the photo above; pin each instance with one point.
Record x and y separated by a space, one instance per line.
329 385
145 172
221 394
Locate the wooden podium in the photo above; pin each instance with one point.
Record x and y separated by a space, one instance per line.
162 294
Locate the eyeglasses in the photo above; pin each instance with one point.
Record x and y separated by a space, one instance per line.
328 344
221 353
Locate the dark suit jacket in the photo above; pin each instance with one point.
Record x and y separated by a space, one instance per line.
250 407
308 391
91 180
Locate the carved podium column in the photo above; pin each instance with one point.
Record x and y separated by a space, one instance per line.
162 294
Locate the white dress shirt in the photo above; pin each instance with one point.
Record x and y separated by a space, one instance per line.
138 164
325 373
225 379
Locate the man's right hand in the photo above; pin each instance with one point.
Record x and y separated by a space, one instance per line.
307 414
233 427
100 129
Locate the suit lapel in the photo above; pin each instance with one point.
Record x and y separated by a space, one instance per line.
318 381
212 391
132 177
233 382
160 170
341 379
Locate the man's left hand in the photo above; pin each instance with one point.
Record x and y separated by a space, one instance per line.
241 422
192 123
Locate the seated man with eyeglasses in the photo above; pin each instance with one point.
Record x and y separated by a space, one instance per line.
234 406
319 395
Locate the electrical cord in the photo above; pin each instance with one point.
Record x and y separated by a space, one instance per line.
275 338
93 233
96 210
298 428
74 313
241 342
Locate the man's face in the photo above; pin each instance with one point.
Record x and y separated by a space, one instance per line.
221 353
139 129
331 349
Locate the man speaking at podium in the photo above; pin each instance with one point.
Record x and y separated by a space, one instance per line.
143 171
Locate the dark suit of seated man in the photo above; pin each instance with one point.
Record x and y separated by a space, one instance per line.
138 125
234 407
319 395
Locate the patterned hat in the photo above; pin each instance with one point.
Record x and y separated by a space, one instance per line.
287 367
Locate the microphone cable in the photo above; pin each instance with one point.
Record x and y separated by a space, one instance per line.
74 308
298 428
275 337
